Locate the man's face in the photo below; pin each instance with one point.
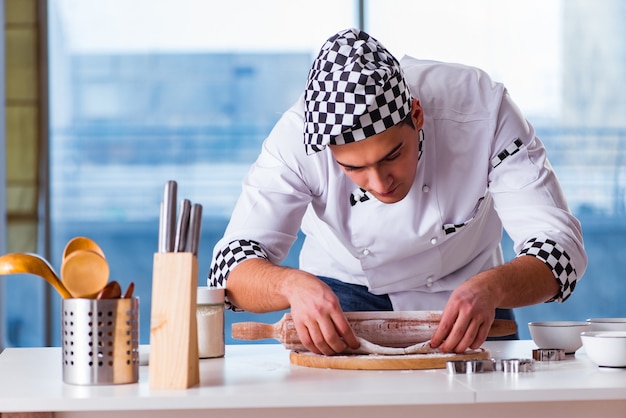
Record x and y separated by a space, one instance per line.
384 164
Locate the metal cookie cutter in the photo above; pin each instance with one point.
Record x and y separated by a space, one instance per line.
517 365
549 354
470 366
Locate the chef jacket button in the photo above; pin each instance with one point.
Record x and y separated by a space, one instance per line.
429 284
366 252
433 240
425 188
429 280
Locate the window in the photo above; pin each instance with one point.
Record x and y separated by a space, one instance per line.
150 91
566 72
147 91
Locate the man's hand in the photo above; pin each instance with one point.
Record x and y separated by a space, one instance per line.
466 319
470 311
256 285
321 324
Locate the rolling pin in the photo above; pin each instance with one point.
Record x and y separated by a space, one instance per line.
386 328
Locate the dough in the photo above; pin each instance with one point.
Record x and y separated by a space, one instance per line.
368 347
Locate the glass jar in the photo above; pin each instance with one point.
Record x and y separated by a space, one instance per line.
210 317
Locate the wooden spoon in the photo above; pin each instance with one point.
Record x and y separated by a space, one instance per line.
84 273
111 291
129 291
81 243
16 263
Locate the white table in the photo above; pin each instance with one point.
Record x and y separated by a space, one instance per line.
259 381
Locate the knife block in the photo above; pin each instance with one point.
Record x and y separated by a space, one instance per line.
174 360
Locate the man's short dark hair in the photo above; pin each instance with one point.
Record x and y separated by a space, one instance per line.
408 120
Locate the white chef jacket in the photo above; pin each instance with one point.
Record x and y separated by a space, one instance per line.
481 167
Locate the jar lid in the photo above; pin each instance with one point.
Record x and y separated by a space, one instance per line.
210 295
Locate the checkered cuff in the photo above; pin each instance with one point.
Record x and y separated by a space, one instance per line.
555 257
226 260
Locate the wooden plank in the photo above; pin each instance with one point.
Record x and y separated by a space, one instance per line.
22 142
20 12
174 360
22 64
27 415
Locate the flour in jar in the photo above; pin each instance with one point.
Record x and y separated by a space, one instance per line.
210 319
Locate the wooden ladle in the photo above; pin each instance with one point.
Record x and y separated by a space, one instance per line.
84 273
81 243
112 290
16 263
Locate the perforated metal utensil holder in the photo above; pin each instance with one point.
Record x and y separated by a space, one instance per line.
100 341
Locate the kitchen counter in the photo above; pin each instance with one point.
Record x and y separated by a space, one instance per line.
259 380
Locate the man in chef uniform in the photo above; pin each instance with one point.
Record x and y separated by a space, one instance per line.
407 174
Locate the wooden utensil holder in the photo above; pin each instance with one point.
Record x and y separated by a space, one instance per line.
174 360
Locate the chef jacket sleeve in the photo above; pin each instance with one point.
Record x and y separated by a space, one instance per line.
275 194
530 202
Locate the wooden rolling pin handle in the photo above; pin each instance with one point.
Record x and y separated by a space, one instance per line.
502 327
255 331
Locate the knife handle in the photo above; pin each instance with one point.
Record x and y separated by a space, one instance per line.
182 228
195 226
167 221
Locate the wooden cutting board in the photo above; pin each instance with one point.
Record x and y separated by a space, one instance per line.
383 362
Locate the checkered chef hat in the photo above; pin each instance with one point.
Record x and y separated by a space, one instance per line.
355 89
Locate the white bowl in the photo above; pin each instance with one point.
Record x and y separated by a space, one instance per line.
558 334
605 348
607 324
